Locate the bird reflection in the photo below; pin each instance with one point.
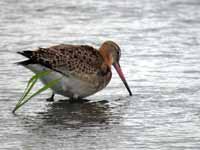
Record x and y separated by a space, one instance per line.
76 114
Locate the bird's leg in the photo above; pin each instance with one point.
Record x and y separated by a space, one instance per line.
77 99
74 99
51 99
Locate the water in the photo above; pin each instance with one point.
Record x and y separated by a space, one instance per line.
160 42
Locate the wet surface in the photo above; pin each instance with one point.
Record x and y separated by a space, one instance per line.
160 42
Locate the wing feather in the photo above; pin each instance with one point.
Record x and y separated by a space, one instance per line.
68 58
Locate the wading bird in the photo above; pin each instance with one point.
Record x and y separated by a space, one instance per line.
83 69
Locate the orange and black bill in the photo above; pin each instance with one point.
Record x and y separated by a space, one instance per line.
121 75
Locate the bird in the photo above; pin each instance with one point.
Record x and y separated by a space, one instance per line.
83 70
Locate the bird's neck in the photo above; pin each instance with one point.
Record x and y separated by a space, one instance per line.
106 56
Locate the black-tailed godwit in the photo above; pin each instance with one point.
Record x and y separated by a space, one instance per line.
83 69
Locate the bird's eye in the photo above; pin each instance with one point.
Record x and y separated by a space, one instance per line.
118 53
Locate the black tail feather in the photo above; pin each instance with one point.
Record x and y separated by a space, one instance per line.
27 54
25 62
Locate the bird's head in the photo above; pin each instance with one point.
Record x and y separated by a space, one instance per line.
111 54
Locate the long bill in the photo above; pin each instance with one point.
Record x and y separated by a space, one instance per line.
121 75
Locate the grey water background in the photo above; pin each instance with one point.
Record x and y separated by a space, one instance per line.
160 42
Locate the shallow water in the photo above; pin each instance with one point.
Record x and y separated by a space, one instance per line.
160 42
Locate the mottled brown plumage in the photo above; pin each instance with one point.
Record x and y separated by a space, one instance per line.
78 59
80 62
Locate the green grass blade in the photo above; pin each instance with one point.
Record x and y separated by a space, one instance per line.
29 87
44 88
42 73
33 81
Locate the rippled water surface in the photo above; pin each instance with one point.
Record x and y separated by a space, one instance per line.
160 42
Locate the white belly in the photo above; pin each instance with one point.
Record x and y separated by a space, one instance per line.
68 86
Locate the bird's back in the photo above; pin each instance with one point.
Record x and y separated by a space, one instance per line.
80 61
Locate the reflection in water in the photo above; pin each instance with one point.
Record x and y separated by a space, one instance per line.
68 123
76 114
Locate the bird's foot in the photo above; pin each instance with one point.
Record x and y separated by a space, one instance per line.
78 100
50 99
